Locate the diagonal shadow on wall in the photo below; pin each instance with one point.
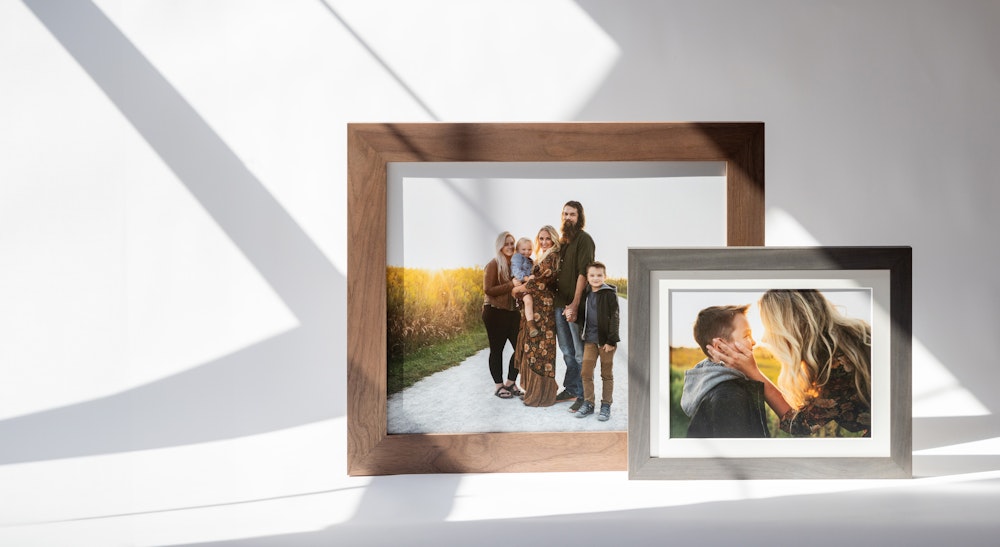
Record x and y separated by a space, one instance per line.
662 89
289 380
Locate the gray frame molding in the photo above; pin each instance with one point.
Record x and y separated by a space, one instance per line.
643 262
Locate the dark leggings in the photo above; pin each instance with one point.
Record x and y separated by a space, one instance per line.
501 327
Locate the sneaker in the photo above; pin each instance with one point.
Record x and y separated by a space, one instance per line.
576 404
605 414
564 396
586 410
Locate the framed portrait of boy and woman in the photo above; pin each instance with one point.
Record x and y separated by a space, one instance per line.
770 363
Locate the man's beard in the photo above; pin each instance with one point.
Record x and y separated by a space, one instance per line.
569 232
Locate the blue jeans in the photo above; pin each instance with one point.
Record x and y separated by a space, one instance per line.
568 336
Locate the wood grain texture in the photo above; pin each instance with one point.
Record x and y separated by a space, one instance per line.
896 260
639 404
495 452
366 289
372 146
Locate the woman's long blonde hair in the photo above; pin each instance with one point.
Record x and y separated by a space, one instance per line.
503 263
554 234
806 333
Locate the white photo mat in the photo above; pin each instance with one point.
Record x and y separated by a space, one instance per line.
663 283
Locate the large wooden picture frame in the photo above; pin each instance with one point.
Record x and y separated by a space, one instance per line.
663 281
371 147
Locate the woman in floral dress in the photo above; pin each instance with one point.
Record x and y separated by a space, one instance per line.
536 355
825 364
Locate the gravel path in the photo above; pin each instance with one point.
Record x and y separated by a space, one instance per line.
461 400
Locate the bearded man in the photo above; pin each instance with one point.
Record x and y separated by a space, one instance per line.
576 252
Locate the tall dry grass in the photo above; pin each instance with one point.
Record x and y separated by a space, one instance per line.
426 307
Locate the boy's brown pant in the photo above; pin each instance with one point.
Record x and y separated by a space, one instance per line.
590 354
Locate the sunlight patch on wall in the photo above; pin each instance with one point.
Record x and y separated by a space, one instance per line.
113 275
472 61
191 295
781 229
325 65
277 82
936 392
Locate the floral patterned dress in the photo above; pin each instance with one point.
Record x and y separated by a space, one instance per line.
536 355
836 401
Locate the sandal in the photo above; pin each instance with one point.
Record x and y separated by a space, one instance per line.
514 390
503 392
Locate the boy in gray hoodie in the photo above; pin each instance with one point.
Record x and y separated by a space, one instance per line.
721 401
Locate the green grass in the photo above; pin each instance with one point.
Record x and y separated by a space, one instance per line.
406 370
678 420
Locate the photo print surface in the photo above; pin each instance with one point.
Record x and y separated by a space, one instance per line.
443 221
710 399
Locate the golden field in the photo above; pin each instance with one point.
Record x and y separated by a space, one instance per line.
426 307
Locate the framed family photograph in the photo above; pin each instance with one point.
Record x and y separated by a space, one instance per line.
458 359
770 363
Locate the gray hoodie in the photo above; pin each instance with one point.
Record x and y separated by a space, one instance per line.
700 379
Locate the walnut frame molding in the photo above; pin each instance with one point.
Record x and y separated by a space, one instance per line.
370 147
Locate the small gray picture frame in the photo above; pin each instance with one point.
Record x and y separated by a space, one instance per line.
718 263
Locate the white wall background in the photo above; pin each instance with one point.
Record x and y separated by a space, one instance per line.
173 241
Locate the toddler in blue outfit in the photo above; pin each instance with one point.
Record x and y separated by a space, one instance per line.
520 267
